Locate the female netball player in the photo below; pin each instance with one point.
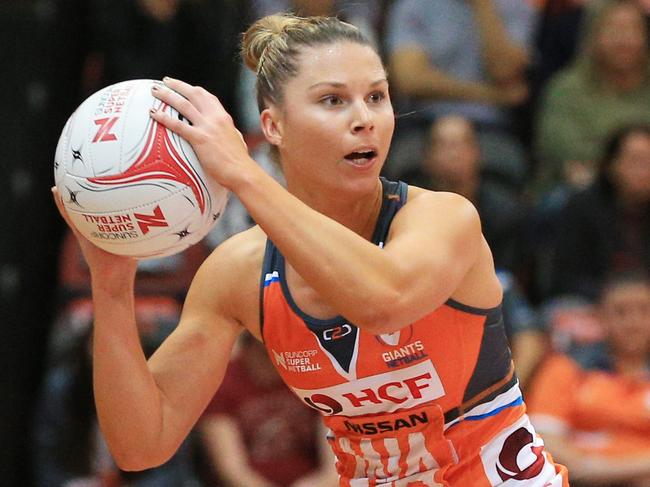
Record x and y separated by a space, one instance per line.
378 303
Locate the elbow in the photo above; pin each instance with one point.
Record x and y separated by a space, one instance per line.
385 315
510 70
136 461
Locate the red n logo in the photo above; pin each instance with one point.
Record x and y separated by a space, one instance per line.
104 133
155 220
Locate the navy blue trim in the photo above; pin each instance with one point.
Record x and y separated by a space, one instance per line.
274 260
267 266
310 320
456 412
389 208
489 312
517 402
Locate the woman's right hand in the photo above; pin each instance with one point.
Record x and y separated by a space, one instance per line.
109 268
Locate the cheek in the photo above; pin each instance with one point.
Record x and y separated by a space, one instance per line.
307 135
387 122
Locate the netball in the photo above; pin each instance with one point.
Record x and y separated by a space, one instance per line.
129 185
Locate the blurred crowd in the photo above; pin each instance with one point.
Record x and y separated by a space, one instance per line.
538 111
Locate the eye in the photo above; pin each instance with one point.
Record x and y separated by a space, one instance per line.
376 96
331 100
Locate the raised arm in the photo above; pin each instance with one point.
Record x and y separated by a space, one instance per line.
419 268
145 410
434 246
414 75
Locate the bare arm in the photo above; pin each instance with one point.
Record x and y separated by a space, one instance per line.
505 59
145 410
415 76
385 288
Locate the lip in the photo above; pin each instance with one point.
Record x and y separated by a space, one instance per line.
363 148
362 167
369 162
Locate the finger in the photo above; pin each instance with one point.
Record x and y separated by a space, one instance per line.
177 126
197 95
177 101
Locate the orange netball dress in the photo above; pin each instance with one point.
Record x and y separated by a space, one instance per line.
436 403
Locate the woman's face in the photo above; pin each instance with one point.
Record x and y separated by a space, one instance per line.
626 318
336 121
631 168
621 39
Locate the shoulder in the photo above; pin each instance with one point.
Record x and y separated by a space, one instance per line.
242 249
231 274
440 205
437 213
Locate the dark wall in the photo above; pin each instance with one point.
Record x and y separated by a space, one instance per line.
54 53
40 58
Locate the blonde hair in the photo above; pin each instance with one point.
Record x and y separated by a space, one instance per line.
270 47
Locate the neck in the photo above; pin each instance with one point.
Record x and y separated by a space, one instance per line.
358 212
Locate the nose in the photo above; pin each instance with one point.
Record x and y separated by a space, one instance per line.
362 117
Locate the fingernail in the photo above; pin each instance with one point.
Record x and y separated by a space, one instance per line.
155 88
166 78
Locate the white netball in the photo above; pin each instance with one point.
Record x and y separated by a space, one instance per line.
129 185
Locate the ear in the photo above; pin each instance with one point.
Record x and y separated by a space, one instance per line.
271 126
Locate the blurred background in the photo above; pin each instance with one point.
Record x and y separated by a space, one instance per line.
538 111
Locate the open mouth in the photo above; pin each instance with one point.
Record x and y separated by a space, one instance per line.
361 158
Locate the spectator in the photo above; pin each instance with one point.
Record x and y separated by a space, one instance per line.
607 226
453 163
594 416
608 85
258 434
467 58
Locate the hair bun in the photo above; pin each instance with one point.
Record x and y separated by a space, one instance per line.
262 33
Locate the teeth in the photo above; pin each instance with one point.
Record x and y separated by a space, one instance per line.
360 155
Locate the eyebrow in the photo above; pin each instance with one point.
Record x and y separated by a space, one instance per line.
336 84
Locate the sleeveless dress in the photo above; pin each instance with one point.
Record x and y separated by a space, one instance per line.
435 403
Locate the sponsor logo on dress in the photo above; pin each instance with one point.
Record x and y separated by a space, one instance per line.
403 355
377 427
297 361
337 332
517 456
387 392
